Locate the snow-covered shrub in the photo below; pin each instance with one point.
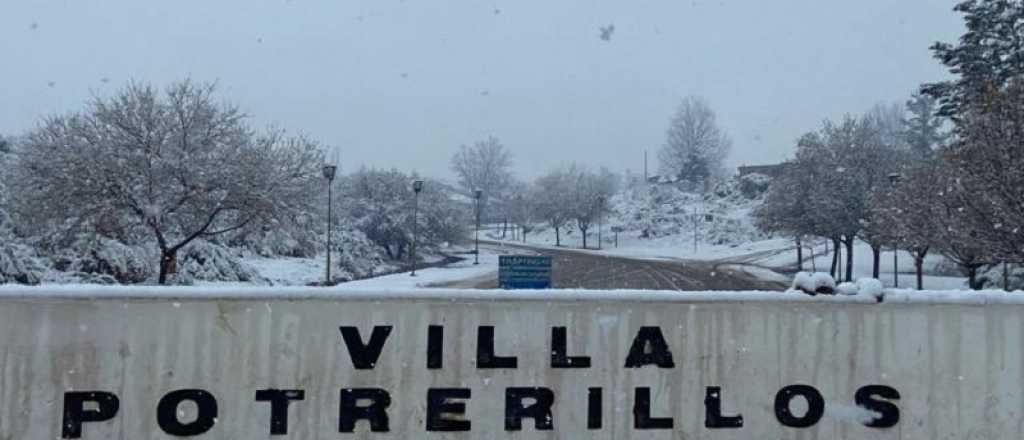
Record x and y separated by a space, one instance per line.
847 288
18 263
357 257
754 185
93 255
992 278
206 261
814 283
296 235
869 287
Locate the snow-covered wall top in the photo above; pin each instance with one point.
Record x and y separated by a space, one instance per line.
890 296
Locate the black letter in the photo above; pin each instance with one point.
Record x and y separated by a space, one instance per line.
485 357
435 346
539 410
642 412
890 412
713 417
658 353
559 353
594 408
364 357
167 412
815 406
439 406
75 413
279 400
375 412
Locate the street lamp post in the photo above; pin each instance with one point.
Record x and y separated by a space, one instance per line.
477 193
894 178
417 186
329 171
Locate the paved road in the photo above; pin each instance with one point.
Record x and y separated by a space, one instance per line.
593 270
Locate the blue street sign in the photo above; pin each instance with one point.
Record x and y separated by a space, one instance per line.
524 272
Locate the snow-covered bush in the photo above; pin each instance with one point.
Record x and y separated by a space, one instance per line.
299 236
847 288
206 261
814 283
18 263
91 256
869 287
992 278
754 185
357 256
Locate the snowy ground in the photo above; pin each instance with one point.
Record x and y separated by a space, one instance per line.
289 271
435 276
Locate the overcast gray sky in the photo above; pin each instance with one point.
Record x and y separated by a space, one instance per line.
402 83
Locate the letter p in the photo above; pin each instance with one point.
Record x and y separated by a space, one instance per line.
106 406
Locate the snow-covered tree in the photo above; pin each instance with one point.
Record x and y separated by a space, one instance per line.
923 127
957 240
484 166
695 146
988 159
590 194
552 194
523 211
177 166
987 58
379 203
917 209
825 190
786 207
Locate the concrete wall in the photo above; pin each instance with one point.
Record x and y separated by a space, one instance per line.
956 366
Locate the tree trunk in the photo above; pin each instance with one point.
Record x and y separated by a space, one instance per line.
584 233
163 268
504 227
919 269
1006 276
835 257
972 277
849 259
799 255
876 260
558 237
810 251
168 264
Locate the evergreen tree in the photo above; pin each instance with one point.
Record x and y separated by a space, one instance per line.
923 128
988 55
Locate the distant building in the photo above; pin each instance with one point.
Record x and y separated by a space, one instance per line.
772 170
